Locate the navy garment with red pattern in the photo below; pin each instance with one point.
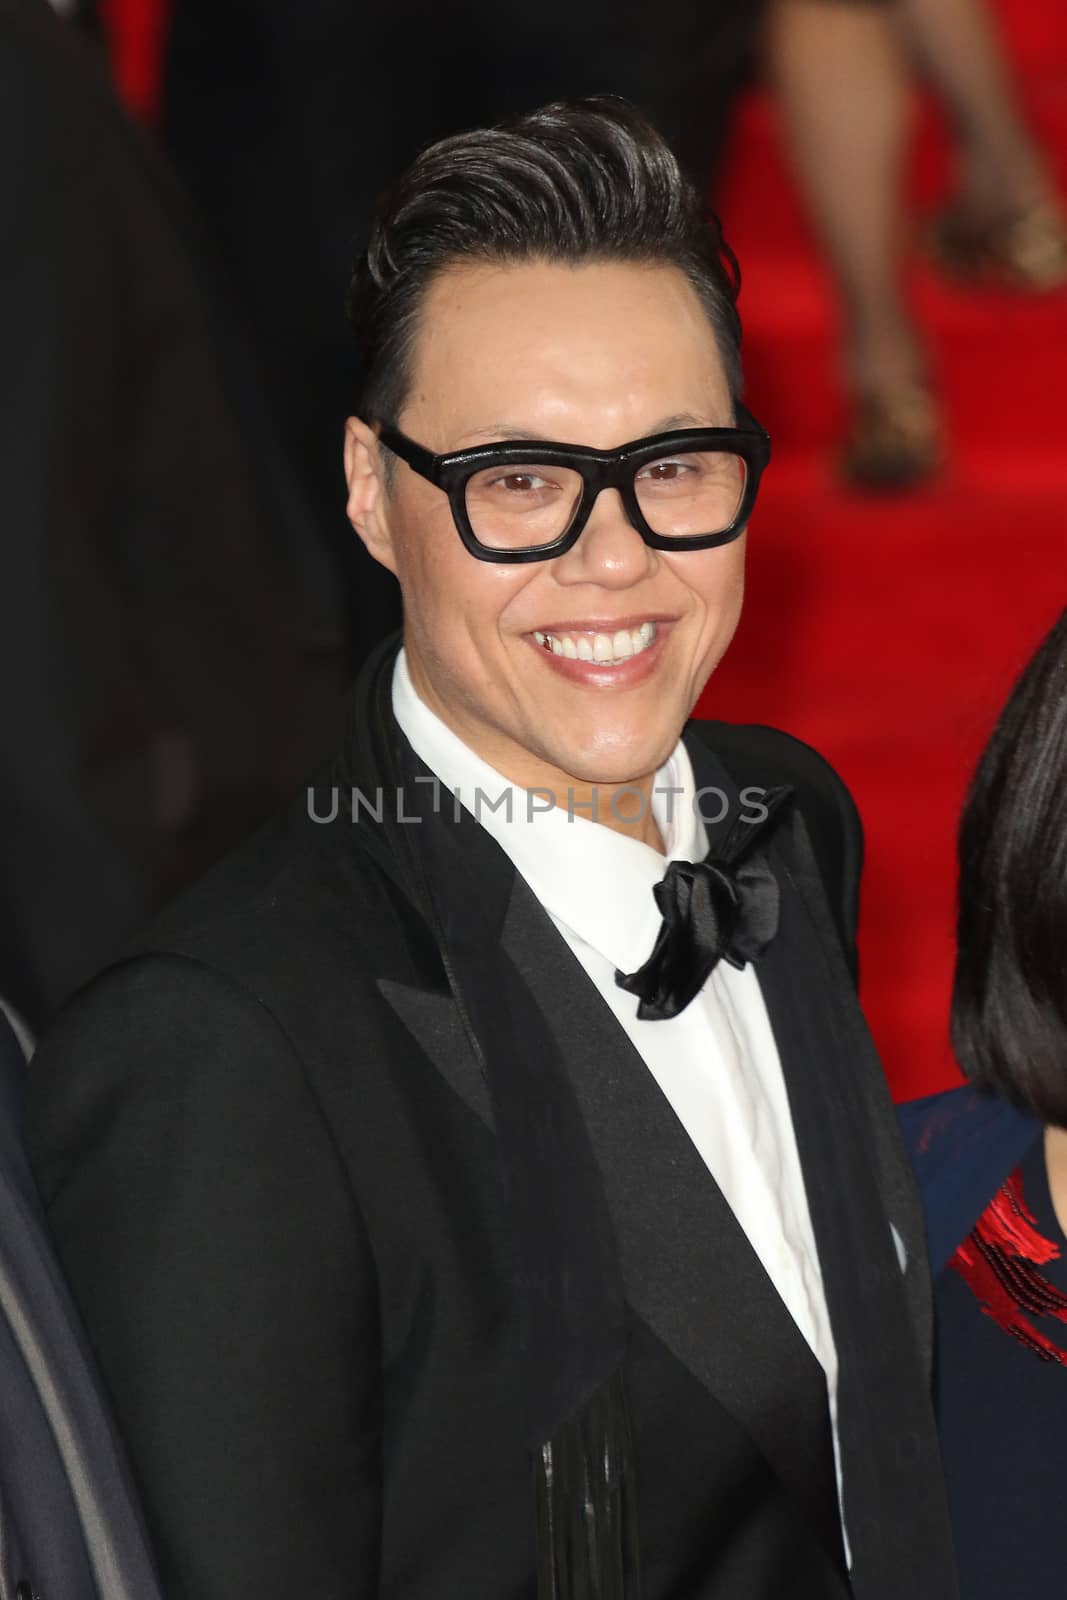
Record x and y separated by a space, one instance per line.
1006 1261
1001 1351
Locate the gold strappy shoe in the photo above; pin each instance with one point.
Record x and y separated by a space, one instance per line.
896 441
1026 251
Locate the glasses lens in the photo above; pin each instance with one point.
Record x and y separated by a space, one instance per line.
522 507
691 492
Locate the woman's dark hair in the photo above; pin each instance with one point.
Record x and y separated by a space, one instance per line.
1009 1005
580 181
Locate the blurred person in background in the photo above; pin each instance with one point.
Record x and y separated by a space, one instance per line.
991 1157
287 122
169 657
842 70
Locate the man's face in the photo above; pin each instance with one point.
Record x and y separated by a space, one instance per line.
595 355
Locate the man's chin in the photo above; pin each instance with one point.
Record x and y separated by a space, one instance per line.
633 762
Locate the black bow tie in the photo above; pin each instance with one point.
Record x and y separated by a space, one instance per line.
724 908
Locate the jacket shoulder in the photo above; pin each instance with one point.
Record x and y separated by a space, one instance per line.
941 1129
761 757
756 754
962 1145
310 889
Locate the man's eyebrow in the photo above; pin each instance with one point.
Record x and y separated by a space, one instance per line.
500 430
684 419
507 432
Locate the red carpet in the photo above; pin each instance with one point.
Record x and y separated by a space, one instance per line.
888 633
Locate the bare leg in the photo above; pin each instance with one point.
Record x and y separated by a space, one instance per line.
956 43
841 79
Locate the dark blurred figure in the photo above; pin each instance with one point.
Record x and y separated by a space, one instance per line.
168 661
70 1529
288 121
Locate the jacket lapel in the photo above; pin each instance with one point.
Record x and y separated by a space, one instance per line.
837 1034
689 1271
519 996
856 1183
433 1020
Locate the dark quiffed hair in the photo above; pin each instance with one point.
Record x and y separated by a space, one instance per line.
1009 1006
581 181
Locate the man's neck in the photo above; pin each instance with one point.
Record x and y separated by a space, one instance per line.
626 809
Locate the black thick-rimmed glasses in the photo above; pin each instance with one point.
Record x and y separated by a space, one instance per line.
529 499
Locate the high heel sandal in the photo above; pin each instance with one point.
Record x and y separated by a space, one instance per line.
895 442
1026 251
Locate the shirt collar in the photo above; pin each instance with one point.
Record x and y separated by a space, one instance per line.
592 880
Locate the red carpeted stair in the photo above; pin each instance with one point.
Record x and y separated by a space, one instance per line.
887 633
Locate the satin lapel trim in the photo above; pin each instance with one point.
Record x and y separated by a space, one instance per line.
854 1048
895 1506
688 1269
434 1022
792 858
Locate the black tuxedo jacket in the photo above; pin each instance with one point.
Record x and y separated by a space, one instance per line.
269 1161
68 1527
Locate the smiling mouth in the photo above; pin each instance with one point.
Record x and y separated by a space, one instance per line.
606 649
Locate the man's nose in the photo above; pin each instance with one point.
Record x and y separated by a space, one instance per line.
609 550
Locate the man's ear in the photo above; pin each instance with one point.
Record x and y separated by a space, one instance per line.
368 502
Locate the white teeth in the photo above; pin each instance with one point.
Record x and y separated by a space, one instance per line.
605 649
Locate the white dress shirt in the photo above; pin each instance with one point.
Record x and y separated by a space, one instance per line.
717 1062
